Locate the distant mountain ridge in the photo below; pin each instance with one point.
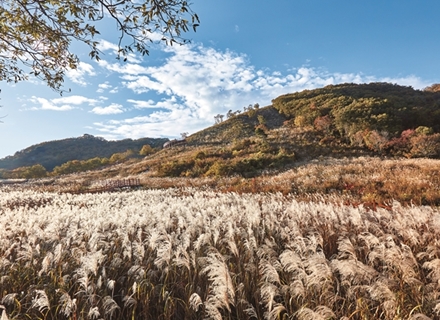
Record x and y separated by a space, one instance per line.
54 153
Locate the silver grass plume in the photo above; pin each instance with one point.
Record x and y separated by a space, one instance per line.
93 313
436 309
110 306
249 309
269 272
4 314
346 249
136 271
291 261
182 258
222 293
9 299
46 263
297 289
91 262
84 281
434 267
353 271
408 265
40 301
68 305
318 271
129 301
164 251
419 316
195 301
276 312
379 291
320 313
268 293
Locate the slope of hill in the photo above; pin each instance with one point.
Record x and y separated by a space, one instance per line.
377 119
347 120
351 108
54 153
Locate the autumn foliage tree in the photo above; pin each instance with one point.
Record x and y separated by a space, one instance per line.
36 35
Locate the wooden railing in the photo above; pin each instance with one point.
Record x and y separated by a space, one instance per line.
110 185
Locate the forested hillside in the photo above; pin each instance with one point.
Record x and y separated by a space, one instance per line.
55 153
382 117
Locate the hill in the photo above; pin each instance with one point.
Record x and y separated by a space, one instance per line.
347 120
354 141
337 121
54 153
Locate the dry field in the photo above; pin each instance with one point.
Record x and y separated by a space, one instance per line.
183 253
363 180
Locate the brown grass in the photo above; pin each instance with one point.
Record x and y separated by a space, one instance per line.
368 180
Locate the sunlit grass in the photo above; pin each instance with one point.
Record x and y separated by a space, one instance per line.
188 254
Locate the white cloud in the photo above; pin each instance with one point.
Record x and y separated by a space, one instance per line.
104 86
199 82
126 67
61 104
76 100
48 105
142 104
104 45
78 75
114 90
159 124
114 108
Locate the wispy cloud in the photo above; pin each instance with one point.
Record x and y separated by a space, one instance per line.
103 86
106 86
113 108
60 104
75 100
45 104
143 104
78 75
196 82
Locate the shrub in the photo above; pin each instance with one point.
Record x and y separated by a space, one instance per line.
146 150
323 123
422 130
375 141
174 168
200 155
426 146
219 169
259 131
241 144
300 121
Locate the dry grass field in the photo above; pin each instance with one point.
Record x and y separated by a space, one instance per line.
189 253
363 180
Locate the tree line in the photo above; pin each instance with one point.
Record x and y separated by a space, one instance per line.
72 166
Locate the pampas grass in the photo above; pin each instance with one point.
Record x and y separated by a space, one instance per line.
191 254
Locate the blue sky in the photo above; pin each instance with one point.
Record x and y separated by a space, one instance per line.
244 52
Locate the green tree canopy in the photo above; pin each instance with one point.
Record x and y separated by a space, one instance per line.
36 35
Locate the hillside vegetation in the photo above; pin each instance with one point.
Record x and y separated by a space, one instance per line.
337 121
55 153
376 119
